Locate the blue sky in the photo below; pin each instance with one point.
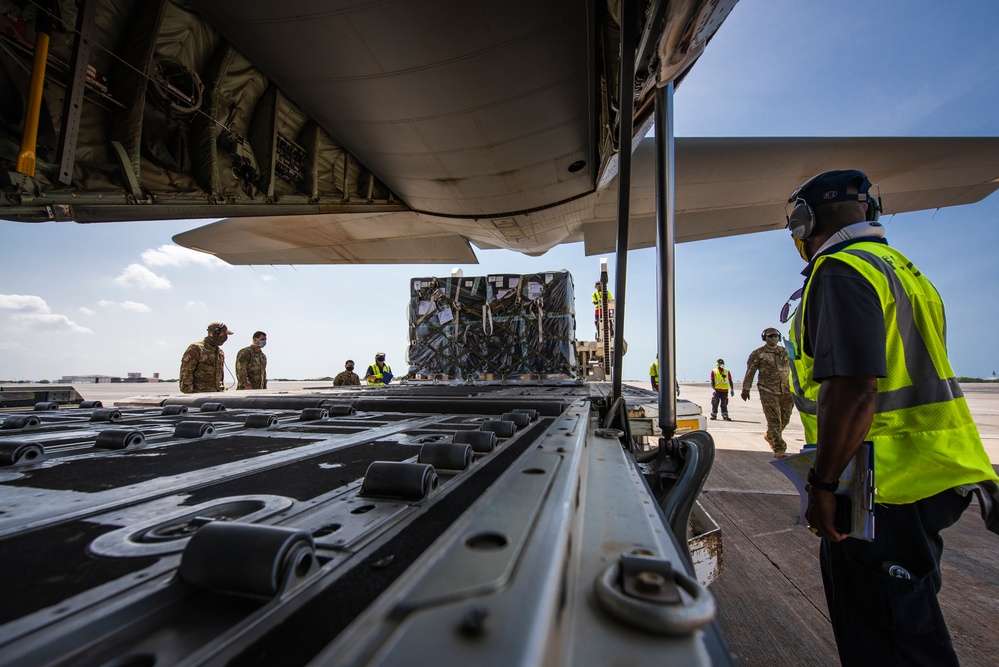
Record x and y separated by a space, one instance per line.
114 298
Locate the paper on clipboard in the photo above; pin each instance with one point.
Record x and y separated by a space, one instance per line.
856 482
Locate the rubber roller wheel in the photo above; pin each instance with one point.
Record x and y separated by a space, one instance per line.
518 418
482 442
446 455
341 410
314 414
91 404
193 429
105 415
212 407
20 421
246 558
120 438
13 453
46 405
501 428
406 481
174 410
531 412
260 420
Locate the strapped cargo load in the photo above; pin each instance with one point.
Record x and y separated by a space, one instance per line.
498 326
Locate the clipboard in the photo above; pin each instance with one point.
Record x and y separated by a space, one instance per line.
856 487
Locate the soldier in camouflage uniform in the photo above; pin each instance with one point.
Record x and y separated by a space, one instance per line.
251 364
772 362
203 362
348 378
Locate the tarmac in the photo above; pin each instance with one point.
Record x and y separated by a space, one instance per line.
745 431
771 605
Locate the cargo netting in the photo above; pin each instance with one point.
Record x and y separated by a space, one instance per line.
494 327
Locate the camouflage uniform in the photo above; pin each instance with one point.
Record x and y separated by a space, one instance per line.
775 391
201 367
347 379
251 368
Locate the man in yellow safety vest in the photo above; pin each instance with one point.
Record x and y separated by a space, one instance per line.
379 373
722 387
869 363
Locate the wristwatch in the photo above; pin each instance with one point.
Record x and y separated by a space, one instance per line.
814 481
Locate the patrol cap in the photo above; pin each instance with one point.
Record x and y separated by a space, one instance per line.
720 361
219 325
379 354
831 186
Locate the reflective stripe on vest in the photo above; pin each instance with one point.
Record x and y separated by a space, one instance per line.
721 379
919 407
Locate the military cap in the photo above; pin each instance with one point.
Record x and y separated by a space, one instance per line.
831 186
219 325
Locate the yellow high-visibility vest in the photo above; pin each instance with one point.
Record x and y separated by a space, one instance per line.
721 379
377 372
924 438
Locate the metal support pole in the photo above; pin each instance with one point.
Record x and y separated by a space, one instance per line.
73 104
26 158
626 127
665 255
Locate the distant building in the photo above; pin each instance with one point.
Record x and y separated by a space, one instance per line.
101 379
87 379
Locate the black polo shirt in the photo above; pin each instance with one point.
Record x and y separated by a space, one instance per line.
844 324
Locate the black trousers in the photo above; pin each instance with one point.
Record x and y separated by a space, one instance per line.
879 616
719 397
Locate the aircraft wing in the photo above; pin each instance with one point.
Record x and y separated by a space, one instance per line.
724 187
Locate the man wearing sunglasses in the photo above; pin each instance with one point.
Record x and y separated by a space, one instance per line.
869 363
775 392
203 361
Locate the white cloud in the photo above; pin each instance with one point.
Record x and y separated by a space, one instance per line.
32 310
175 255
195 304
267 277
87 311
11 346
134 306
136 275
163 345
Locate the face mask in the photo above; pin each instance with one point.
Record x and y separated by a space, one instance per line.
262 342
773 340
800 245
350 368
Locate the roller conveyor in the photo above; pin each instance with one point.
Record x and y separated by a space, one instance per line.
444 524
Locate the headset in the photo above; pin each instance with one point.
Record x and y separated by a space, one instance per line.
763 336
219 330
801 220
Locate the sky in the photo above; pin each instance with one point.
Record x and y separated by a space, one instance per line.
120 297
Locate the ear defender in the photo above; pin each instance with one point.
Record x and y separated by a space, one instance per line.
874 206
801 221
